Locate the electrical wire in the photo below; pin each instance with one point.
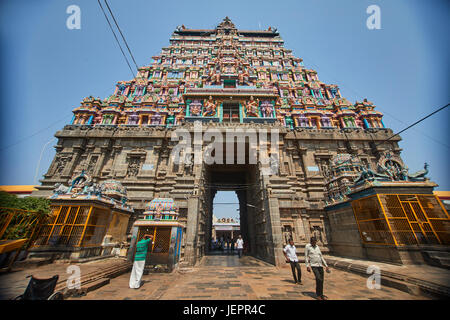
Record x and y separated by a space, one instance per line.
415 123
115 37
34 134
124 40
312 63
407 128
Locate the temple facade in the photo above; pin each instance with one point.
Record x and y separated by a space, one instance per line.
227 78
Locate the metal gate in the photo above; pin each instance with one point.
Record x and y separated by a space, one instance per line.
402 219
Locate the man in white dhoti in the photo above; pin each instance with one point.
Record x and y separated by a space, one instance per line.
139 261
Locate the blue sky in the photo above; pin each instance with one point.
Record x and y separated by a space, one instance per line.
47 69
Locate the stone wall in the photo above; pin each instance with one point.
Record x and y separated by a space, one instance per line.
345 239
293 199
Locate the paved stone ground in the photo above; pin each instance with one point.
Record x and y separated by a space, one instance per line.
439 276
231 278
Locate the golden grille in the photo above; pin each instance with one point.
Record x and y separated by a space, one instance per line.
161 243
74 226
372 224
161 239
408 219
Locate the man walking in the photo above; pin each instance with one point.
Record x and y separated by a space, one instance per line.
291 257
315 261
239 245
139 261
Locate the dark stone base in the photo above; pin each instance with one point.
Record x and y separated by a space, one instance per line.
73 254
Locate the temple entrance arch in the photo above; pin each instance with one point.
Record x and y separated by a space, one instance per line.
240 179
225 224
259 216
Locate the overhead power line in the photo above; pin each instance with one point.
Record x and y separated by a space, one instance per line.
408 127
124 40
115 37
417 122
33 134
357 94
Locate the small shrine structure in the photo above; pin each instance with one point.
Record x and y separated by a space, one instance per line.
88 219
160 220
386 214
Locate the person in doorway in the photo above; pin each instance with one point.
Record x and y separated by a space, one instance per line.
239 245
232 246
228 245
291 257
315 261
139 261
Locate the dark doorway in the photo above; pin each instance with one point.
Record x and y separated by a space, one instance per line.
231 112
239 179
226 223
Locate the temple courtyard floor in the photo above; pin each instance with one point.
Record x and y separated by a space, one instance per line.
226 277
230 278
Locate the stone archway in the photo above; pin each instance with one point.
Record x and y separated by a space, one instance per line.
258 227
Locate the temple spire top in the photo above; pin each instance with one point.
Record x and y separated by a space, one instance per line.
226 24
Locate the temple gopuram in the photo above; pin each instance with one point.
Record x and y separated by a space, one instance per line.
333 154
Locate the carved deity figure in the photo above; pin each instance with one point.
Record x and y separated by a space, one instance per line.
368 174
317 233
134 165
215 77
133 119
98 118
267 110
210 108
91 165
59 188
92 189
156 119
251 107
122 119
120 89
243 77
389 165
61 163
139 90
195 108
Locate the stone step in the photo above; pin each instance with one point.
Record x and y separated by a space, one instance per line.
85 288
439 259
93 280
31 263
395 280
95 284
439 254
86 276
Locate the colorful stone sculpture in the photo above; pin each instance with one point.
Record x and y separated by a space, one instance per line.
210 108
161 209
209 65
251 107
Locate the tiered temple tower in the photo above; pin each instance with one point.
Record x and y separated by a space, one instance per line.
225 78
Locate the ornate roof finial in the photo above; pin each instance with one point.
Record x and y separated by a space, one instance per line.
226 24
